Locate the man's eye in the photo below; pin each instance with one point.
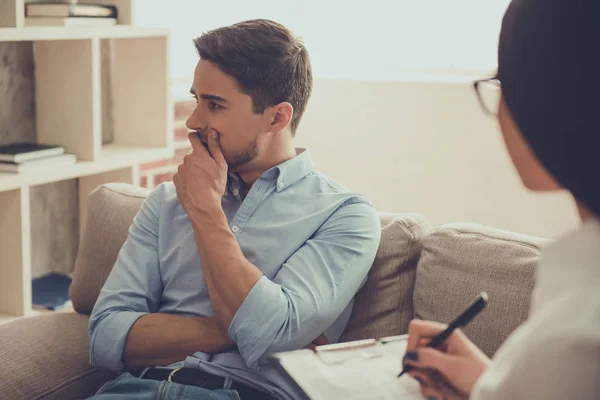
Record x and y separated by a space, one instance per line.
214 106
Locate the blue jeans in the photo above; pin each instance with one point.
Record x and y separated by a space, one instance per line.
128 387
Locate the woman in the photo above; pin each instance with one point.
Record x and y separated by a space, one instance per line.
549 114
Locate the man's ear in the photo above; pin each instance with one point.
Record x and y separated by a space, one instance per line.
281 116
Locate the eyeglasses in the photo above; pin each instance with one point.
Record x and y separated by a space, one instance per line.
488 94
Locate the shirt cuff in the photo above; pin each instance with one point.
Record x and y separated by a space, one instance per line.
108 341
252 325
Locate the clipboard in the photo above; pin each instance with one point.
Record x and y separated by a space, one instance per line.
363 369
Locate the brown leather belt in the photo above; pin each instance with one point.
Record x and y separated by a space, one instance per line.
196 377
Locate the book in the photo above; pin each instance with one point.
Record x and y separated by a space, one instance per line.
50 292
43 164
21 152
364 369
64 10
71 21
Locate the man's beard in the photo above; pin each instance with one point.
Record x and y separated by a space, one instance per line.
239 159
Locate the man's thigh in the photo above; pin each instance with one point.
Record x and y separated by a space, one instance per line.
128 387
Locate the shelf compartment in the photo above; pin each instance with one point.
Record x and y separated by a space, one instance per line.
67 92
141 93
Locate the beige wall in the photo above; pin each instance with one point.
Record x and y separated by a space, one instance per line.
425 147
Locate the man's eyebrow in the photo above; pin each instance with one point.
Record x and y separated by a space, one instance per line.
212 97
207 96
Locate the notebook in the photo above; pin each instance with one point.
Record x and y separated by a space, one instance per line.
21 152
360 370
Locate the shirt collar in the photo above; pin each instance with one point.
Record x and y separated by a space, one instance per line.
294 169
287 173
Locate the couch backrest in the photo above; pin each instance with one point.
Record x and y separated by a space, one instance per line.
418 272
384 305
460 260
111 209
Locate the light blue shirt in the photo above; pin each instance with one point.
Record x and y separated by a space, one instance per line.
313 239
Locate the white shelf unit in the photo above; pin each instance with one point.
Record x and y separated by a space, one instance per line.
68 112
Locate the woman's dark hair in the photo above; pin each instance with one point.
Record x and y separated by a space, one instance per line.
549 68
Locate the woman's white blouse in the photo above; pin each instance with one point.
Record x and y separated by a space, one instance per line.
555 354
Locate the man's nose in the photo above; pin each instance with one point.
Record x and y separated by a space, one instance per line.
195 121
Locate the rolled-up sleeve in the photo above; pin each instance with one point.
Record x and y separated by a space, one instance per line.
312 289
132 289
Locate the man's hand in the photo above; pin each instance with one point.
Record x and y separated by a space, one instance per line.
448 372
202 177
200 182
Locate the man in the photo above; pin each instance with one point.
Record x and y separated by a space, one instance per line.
249 251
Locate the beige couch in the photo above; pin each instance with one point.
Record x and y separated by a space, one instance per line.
420 271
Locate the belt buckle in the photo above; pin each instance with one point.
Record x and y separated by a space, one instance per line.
170 378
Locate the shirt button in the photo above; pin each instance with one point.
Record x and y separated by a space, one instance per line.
280 185
236 192
235 229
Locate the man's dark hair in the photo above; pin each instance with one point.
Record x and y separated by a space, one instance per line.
269 63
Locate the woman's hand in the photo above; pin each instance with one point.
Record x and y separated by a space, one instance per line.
450 371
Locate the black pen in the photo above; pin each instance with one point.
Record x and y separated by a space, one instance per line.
462 320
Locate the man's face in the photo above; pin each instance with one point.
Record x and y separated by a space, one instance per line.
223 107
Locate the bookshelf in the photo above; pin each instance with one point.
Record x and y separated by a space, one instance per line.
69 112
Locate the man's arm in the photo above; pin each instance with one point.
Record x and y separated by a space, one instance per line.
162 339
312 288
229 275
128 300
306 296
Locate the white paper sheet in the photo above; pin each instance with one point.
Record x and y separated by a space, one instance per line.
355 374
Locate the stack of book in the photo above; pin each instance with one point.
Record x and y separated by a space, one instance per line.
33 157
69 14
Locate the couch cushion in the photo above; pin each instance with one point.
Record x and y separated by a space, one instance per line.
111 209
47 357
460 260
383 307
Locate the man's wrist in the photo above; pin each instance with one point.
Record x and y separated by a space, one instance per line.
208 218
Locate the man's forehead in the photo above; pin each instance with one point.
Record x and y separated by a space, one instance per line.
210 79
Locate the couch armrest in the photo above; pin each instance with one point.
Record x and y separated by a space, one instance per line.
47 357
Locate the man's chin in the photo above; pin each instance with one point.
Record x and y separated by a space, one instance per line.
240 165
241 162
236 168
